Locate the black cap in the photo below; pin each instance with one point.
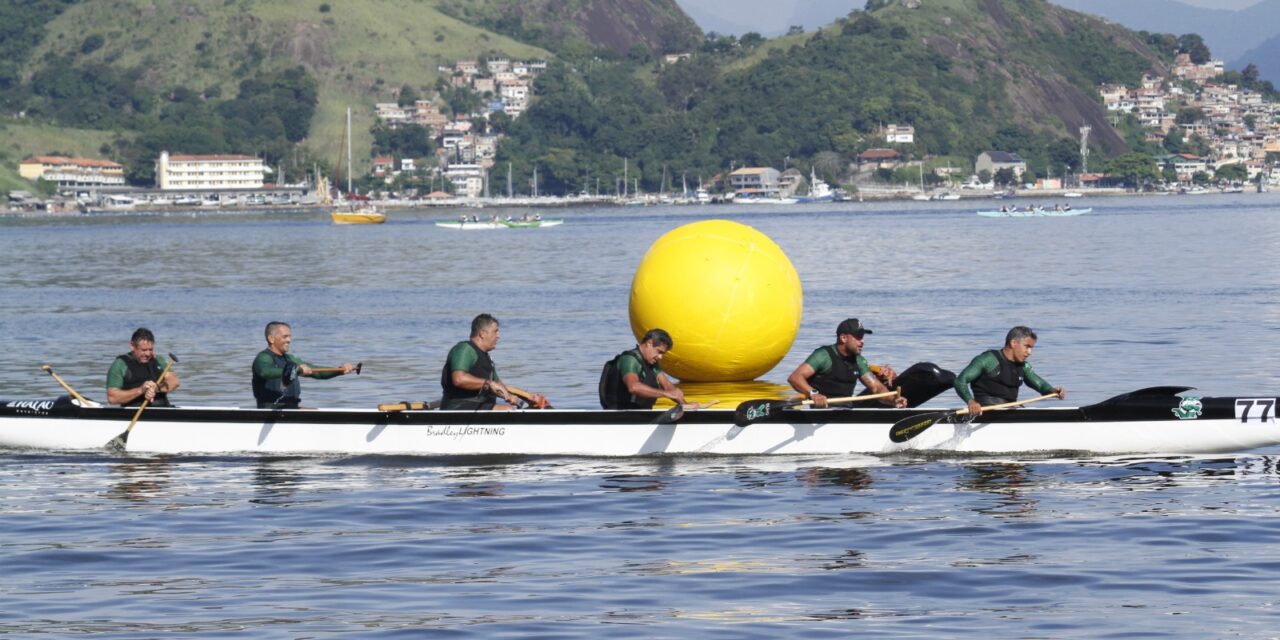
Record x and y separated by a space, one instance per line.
852 327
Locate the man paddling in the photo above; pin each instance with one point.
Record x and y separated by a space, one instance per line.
133 376
995 376
276 371
470 379
834 370
634 378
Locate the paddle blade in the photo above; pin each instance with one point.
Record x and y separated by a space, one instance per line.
756 410
671 416
912 426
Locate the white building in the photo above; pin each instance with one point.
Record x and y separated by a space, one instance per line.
72 172
467 179
900 134
209 172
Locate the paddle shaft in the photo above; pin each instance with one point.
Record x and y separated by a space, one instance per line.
337 369
526 396
914 425
407 406
138 414
874 396
1008 405
66 386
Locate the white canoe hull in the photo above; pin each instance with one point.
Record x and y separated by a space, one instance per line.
628 433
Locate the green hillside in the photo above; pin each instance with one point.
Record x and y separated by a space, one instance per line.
360 52
969 75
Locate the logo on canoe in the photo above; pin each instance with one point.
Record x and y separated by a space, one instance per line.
756 413
1189 409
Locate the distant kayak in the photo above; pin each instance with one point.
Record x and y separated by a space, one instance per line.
1035 213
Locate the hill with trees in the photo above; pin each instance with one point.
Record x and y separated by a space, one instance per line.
275 78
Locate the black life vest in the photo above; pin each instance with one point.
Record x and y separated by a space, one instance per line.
136 374
456 398
1001 385
613 391
274 393
840 379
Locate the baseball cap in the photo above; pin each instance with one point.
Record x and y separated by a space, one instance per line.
852 326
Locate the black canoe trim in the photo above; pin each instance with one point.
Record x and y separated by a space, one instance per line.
1156 403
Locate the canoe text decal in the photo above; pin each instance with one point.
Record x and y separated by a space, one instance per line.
1256 409
31 406
1189 409
457 433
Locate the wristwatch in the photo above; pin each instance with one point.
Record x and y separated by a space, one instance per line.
813 392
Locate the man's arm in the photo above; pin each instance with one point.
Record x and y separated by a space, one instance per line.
983 363
873 383
1034 381
630 367
115 380
817 362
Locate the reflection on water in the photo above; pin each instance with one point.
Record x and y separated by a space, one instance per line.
140 481
852 479
729 394
275 482
1010 482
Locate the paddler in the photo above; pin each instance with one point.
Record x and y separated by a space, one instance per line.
133 376
470 379
995 376
835 369
634 379
276 371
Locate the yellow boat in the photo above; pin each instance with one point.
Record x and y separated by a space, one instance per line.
353 215
363 215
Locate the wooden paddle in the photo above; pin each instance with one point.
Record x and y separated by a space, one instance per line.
83 401
756 410
119 441
912 426
670 416
409 406
528 398
337 369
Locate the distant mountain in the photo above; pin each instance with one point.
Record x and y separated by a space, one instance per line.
1266 56
1229 34
766 17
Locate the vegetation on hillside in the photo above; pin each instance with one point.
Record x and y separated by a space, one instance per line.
274 79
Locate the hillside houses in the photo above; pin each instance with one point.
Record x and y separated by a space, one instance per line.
503 86
1238 125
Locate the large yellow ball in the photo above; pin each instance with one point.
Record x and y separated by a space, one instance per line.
728 296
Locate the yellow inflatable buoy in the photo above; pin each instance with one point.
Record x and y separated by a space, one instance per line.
728 296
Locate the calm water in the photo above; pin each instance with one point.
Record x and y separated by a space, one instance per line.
1144 291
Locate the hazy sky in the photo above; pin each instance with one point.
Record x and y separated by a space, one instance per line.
774 16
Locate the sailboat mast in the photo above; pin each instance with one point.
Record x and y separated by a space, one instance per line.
348 151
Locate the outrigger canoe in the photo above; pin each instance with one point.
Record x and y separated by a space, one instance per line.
1036 213
1150 421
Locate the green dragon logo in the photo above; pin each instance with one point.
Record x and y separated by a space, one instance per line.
1189 409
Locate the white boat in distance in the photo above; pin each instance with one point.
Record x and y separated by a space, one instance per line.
1147 421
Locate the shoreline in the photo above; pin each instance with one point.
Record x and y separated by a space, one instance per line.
558 202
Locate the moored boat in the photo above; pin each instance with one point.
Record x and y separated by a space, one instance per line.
361 215
1148 421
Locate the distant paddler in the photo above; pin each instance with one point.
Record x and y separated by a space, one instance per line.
276 372
634 379
470 379
995 376
131 380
